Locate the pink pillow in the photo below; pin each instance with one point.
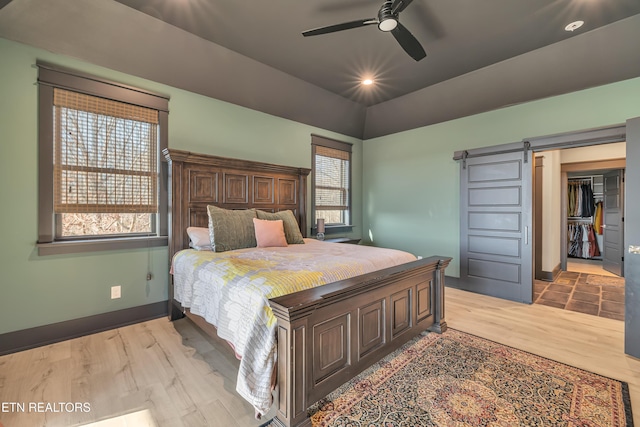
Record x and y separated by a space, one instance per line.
269 233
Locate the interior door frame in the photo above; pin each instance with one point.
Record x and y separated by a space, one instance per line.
583 138
631 238
592 166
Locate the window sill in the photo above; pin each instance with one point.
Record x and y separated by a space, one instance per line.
82 246
352 241
333 229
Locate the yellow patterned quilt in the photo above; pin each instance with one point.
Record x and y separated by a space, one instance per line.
231 290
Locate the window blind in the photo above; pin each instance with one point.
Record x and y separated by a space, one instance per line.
332 170
105 155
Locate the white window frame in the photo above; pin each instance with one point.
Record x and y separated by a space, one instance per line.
50 77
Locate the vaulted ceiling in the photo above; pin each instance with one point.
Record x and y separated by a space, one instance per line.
481 55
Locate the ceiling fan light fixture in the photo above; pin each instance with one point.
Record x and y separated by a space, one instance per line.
388 24
367 82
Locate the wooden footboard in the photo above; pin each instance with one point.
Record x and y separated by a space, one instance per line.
329 334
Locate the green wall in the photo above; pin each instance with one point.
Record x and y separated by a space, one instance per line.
411 184
37 290
407 197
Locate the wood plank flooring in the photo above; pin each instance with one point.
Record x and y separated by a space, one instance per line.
162 373
588 266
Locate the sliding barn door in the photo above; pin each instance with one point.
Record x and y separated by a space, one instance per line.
495 225
613 238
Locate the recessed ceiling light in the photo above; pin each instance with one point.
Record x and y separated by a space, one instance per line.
574 26
367 82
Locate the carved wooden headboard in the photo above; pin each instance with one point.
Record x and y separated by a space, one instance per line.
198 180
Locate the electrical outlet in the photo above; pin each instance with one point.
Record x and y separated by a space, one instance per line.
115 292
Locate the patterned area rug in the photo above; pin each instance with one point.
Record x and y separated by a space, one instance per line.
456 379
594 279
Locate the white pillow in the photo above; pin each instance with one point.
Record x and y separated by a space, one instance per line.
199 238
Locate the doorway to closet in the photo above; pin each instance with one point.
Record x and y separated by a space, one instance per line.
579 194
594 217
562 178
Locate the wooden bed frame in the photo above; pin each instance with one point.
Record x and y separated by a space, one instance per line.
326 335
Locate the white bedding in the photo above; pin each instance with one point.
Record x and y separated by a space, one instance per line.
231 291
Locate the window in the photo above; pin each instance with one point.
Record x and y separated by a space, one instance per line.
331 162
100 170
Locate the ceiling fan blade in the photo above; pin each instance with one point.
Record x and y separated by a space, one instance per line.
340 27
408 42
399 5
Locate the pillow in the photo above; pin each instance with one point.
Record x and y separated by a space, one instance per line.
269 233
291 228
231 229
199 238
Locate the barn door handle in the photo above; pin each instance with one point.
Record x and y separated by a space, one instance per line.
526 234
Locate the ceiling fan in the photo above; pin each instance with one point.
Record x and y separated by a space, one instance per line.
387 21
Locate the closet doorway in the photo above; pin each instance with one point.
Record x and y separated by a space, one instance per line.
592 217
582 196
554 214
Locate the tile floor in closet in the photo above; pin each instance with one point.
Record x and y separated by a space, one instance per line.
586 288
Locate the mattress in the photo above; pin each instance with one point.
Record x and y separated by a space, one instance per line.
231 290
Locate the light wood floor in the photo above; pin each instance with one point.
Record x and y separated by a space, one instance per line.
160 373
588 266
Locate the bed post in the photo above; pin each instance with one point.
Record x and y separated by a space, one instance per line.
175 165
292 372
302 194
439 324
